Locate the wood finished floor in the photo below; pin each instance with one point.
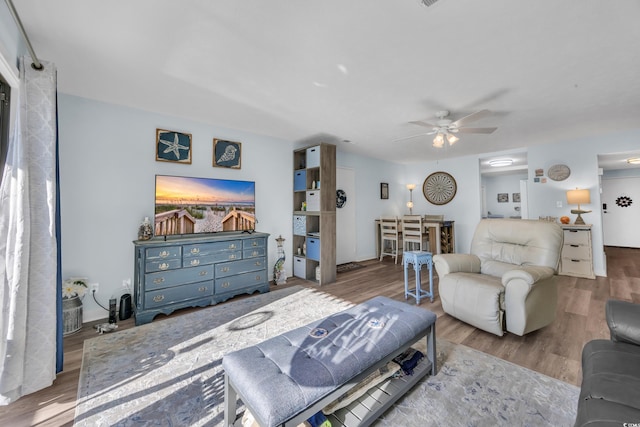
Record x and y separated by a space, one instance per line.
554 350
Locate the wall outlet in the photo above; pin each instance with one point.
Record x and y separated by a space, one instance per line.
126 284
95 287
558 204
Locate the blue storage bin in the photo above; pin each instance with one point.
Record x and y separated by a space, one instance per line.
300 180
313 248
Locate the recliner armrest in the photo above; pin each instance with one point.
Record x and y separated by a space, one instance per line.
529 273
455 263
623 319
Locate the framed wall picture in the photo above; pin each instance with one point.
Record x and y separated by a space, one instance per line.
227 154
516 197
503 197
172 146
384 190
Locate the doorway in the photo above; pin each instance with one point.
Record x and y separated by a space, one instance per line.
620 199
346 216
620 212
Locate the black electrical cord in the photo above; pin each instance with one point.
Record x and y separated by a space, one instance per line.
93 292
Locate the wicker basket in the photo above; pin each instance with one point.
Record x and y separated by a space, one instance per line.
71 315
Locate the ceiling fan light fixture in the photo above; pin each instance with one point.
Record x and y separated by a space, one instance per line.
438 141
496 163
633 160
452 139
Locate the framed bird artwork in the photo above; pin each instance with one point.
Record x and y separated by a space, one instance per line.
226 154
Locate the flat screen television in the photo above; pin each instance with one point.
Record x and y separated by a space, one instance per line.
186 205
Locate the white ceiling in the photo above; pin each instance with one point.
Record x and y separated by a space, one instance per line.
355 70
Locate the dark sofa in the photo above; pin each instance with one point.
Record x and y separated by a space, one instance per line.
610 392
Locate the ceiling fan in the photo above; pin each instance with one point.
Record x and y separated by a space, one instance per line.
446 128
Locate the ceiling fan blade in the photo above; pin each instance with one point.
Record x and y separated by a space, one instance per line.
472 117
424 124
412 136
476 130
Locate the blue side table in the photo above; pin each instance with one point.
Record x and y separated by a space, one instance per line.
418 259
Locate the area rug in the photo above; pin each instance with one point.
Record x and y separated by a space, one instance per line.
168 372
349 266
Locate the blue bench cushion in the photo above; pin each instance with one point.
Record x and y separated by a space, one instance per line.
284 375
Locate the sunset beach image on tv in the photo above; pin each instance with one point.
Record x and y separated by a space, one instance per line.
186 205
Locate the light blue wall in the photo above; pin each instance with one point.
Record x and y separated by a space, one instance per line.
621 173
495 184
108 168
464 209
369 207
582 158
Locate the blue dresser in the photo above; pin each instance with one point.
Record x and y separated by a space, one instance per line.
182 272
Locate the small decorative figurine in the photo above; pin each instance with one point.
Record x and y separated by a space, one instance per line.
279 274
145 232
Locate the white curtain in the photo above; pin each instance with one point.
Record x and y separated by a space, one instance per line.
28 240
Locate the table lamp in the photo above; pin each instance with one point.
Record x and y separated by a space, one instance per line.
577 197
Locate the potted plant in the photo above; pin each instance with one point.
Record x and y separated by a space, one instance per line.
73 290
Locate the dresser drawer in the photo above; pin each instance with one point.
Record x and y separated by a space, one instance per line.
163 253
162 297
165 279
254 252
576 267
162 265
237 267
576 252
207 249
194 261
258 242
233 283
576 237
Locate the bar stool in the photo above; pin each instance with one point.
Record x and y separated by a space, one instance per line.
417 259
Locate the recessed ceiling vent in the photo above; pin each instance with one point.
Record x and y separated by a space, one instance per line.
428 2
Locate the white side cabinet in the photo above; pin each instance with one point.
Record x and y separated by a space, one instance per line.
577 252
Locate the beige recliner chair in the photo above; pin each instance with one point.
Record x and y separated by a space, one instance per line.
509 276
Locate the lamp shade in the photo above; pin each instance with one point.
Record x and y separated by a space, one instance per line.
438 141
578 197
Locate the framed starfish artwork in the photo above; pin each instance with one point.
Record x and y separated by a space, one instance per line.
172 146
227 154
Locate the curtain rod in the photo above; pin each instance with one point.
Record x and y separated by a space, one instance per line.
36 64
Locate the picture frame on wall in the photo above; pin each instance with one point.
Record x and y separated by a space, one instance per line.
384 190
173 146
516 197
503 197
227 154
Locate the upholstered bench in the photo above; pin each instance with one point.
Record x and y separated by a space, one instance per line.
288 378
